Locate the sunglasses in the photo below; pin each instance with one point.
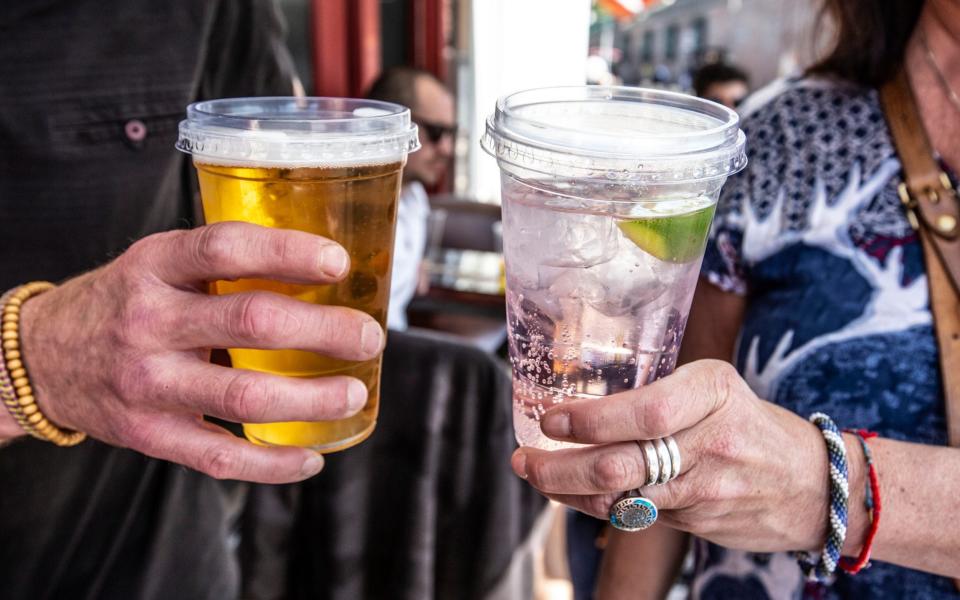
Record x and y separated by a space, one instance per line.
435 131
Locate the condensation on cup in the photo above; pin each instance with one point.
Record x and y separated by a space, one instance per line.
608 195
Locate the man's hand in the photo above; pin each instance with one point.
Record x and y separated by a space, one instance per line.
121 353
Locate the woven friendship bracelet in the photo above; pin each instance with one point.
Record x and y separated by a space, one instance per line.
872 503
822 568
15 389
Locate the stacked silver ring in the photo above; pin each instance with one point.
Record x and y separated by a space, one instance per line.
634 512
662 457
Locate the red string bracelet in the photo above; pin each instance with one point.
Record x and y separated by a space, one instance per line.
873 506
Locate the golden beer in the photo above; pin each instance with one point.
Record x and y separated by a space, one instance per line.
355 206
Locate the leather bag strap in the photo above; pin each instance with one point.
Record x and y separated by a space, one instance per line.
934 212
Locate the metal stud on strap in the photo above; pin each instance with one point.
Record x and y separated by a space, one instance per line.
947 224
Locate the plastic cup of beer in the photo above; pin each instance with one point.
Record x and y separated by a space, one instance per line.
328 166
608 195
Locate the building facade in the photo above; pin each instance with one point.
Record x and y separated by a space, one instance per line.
767 38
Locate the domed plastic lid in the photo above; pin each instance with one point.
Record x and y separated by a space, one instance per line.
620 133
290 131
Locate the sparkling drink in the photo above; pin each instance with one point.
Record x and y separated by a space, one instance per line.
355 205
328 166
605 219
601 314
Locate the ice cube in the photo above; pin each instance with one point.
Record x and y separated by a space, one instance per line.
578 240
542 244
569 292
629 282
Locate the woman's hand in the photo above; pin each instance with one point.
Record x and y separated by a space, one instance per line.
121 353
754 475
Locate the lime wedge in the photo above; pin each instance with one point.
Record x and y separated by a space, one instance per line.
672 238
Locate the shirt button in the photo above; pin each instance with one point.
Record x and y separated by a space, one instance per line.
136 130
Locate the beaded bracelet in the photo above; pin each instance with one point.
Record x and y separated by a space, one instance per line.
822 568
872 503
15 390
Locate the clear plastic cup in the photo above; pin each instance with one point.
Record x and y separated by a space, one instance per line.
608 194
329 166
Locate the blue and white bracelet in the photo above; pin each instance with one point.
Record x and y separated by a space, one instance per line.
823 567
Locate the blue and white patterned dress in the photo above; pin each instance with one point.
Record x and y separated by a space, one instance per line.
837 318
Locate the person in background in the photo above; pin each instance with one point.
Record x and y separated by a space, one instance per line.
432 108
722 83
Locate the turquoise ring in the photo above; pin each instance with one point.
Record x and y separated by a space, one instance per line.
633 513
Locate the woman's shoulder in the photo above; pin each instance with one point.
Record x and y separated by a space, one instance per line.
812 144
812 100
817 119
811 131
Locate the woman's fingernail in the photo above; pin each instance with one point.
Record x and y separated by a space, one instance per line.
371 338
519 462
312 465
356 395
334 261
556 424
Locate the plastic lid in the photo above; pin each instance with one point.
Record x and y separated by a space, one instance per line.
625 134
289 131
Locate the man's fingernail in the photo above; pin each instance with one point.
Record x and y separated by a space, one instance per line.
356 395
519 461
556 424
312 465
334 261
371 338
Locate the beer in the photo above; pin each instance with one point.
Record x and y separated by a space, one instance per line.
354 205
328 166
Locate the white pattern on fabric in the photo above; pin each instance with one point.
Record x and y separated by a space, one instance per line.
894 306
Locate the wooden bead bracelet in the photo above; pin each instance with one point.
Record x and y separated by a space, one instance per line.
15 390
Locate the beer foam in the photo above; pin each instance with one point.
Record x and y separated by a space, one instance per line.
281 164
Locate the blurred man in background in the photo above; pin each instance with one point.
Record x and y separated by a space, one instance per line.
722 83
432 108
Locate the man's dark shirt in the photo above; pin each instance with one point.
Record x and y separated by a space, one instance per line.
91 92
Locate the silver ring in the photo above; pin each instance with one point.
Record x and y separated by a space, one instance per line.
675 462
651 460
666 464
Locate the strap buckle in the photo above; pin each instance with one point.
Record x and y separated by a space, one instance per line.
945 223
910 204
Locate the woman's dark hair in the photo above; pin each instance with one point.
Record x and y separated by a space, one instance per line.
871 38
